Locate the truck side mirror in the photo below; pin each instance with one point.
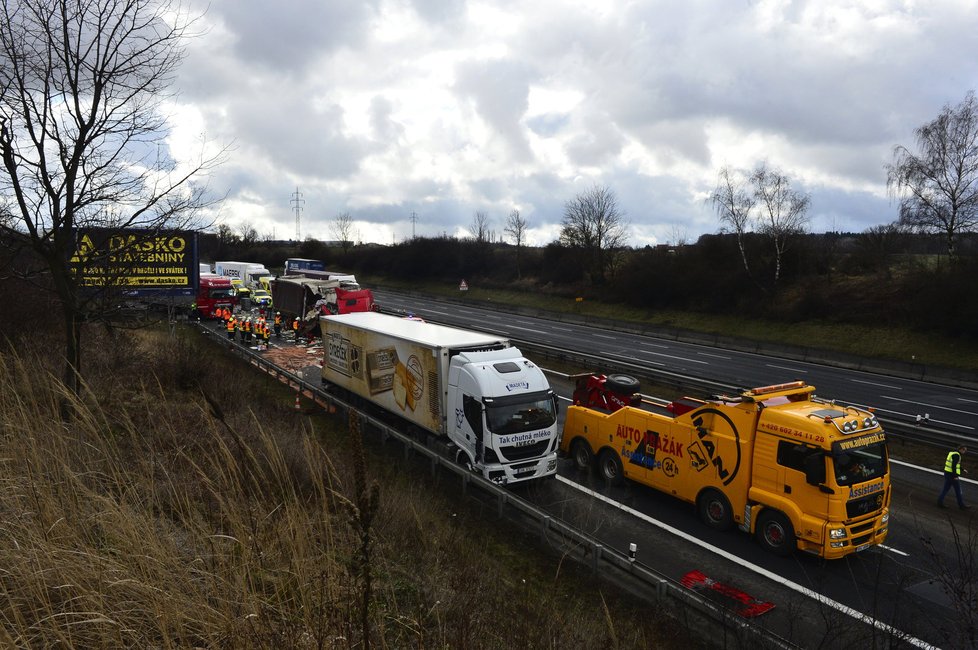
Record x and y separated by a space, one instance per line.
815 469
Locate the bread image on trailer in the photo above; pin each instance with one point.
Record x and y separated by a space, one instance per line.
494 406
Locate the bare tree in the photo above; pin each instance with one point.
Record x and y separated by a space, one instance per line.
480 228
516 227
81 136
733 201
595 224
342 228
249 234
784 211
938 188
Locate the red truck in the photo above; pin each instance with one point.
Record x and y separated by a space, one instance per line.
308 298
214 292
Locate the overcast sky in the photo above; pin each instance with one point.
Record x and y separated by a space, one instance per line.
442 108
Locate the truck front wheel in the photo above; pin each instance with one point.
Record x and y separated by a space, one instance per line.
581 453
609 465
775 533
715 510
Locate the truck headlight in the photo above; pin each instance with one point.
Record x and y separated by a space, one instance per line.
885 518
837 533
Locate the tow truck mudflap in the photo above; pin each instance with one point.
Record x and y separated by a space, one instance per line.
750 516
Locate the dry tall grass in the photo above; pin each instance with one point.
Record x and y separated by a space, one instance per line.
188 505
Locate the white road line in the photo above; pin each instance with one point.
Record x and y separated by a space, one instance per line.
911 416
562 329
715 356
873 383
931 406
939 472
845 609
804 372
654 345
529 329
969 401
893 550
604 336
621 356
670 356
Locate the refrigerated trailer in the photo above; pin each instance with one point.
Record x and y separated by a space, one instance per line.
492 405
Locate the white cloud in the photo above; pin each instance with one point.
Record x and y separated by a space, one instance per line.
448 107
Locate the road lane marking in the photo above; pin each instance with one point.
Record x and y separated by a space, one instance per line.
770 575
604 336
715 356
654 345
932 406
670 356
873 383
632 359
804 372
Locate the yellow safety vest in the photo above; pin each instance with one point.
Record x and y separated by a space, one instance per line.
231 324
949 463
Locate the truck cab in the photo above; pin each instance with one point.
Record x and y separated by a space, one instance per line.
505 414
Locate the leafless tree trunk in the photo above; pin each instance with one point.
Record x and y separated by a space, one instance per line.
480 228
81 135
784 211
733 202
516 227
594 223
342 229
938 189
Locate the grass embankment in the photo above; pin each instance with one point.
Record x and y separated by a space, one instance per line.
189 505
882 341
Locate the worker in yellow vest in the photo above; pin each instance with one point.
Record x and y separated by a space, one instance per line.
278 324
266 334
246 325
231 327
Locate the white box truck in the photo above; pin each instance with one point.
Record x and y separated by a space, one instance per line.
493 406
250 273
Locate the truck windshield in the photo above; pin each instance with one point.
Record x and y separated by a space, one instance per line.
522 413
220 293
860 464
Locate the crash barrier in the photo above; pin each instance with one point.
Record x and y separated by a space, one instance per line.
610 563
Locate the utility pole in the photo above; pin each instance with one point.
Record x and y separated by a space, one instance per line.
297 202
414 220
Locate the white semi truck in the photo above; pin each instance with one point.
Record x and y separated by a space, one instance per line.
250 273
493 407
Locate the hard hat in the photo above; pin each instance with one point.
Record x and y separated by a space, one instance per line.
278 313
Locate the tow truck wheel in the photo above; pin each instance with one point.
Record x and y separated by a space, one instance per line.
715 510
581 453
622 384
775 533
609 465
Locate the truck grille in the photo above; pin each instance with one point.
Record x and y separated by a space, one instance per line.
865 505
529 451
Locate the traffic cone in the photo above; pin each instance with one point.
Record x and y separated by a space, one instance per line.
298 407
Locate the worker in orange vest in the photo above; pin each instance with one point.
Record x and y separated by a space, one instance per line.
231 326
266 334
278 324
247 329
295 329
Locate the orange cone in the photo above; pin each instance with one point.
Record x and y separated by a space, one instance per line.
298 407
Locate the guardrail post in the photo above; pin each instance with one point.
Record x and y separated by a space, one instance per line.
434 465
662 588
596 555
501 501
544 528
465 483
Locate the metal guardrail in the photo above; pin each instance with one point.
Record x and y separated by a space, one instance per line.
605 560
